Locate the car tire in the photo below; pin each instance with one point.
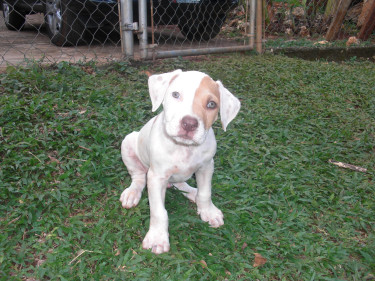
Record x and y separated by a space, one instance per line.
64 25
14 20
201 30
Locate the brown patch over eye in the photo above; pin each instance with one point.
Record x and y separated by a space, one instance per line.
207 101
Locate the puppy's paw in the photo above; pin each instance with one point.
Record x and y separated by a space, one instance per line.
130 197
188 191
212 215
157 241
192 194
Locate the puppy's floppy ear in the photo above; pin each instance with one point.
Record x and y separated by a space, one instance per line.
229 106
158 85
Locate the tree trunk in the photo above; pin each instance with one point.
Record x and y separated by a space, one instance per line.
369 23
335 26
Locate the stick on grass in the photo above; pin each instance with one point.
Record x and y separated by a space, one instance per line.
348 166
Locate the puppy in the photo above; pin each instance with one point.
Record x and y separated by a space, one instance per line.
174 145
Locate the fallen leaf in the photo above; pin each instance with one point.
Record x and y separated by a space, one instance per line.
244 245
148 73
203 263
259 260
39 262
352 41
88 69
324 42
53 159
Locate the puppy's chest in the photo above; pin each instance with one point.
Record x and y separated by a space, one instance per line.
188 158
184 163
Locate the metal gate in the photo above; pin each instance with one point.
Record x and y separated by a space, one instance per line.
186 27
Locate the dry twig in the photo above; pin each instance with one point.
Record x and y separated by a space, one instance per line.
348 166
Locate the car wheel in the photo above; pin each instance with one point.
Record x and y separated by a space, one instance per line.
201 30
64 25
14 20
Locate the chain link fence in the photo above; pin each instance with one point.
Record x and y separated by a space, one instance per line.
198 27
58 30
103 30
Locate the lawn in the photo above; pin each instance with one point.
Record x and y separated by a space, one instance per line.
61 174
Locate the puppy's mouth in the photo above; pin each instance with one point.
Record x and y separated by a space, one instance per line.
186 135
185 138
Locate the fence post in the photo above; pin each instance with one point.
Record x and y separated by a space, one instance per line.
252 23
127 27
143 45
259 26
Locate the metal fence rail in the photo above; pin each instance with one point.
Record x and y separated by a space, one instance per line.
102 30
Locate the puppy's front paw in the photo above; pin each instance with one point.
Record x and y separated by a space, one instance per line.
212 215
157 241
130 197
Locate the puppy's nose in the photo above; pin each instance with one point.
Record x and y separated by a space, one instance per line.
189 123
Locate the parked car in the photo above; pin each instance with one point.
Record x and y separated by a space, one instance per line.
68 21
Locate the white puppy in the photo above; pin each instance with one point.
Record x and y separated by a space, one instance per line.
174 145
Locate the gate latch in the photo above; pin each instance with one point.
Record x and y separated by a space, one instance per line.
130 26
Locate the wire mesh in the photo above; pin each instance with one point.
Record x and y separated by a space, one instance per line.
58 30
286 23
199 24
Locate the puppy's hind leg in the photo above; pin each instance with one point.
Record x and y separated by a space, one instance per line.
130 196
187 190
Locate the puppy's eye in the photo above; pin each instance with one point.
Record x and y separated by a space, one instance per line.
176 95
211 105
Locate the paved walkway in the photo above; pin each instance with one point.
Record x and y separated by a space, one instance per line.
32 43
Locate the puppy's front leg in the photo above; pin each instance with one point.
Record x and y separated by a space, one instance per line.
157 238
206 209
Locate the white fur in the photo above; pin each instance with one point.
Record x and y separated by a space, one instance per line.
159 155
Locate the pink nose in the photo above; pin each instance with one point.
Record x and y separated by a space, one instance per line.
189 123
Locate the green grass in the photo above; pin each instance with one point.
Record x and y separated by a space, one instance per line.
61 174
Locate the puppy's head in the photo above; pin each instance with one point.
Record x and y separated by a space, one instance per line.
191 102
